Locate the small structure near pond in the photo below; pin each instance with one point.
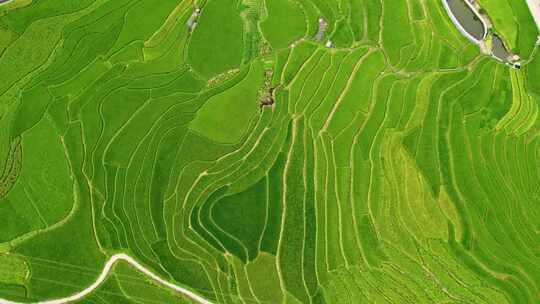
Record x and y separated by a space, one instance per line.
322 29
267 99
501 53
266 93
192 21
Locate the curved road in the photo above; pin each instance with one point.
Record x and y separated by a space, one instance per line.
103 276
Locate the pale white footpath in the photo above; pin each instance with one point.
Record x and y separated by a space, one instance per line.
534 7
103 276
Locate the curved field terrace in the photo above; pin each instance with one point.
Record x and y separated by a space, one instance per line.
268 151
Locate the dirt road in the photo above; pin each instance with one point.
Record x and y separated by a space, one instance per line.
104 274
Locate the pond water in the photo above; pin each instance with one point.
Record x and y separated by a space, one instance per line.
467 18
499 50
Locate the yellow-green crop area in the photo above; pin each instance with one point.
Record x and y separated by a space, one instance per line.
232 153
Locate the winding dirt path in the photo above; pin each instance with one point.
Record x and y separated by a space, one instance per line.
104 274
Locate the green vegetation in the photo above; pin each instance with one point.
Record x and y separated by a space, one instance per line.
284 24
13 270
225 117
231 153
513 21
216 44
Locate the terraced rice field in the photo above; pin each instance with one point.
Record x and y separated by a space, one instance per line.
150 152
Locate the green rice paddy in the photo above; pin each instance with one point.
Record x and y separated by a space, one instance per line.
233 154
